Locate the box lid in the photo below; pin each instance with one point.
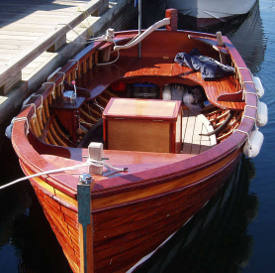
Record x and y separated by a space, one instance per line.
142 109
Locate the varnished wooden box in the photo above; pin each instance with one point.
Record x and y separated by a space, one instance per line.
143 125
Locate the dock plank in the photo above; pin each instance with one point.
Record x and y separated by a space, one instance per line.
29 28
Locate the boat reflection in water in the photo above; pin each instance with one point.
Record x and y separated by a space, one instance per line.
248 37
27 243
215 240
205 13
246 33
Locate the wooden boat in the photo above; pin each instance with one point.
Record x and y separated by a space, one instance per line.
209 13
161 162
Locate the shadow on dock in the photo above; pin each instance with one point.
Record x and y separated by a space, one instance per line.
14 10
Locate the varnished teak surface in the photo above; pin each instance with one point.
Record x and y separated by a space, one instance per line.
135 211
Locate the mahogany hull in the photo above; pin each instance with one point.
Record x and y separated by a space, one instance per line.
126 232
133 209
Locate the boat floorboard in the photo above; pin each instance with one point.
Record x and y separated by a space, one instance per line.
192 126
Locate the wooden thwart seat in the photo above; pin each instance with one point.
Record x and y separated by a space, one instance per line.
215 89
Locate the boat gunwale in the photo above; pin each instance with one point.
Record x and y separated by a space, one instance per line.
136 201
221 150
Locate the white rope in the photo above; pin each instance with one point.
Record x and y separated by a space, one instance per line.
241 131
53 91
252 93
111 62
8 131
63 79
26 101
30 104
27 123
246 116
41 100
139 38
85 164
251 106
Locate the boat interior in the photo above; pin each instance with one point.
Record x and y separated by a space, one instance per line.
136 105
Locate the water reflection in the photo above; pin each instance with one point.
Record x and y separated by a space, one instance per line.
27 243
249 39
246 32
216 239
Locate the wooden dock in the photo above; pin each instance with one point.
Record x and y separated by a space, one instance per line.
37 36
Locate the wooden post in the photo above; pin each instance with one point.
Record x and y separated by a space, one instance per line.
95 150
85 224
60 42
173 15
220 44
219 38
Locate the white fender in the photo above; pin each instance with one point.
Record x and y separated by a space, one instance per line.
253 144
166 94
258 86
262 114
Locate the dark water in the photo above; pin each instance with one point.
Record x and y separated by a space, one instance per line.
234 233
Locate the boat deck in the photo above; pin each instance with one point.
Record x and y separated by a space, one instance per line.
193 144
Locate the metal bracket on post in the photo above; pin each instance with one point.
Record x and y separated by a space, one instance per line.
85 224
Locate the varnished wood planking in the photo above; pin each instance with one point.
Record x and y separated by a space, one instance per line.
155 189
130 193
135 135
158 188
148 221
142 125
67 240
140 108
56 225
154 223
